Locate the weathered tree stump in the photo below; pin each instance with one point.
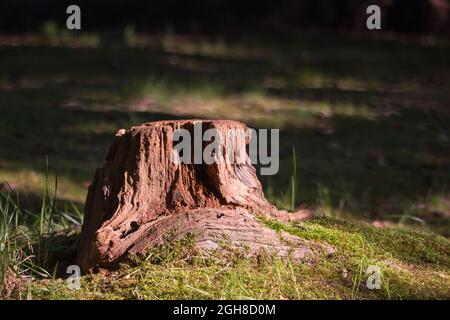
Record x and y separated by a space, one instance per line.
141 194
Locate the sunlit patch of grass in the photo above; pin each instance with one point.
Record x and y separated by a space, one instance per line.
53 34
208 47
163 94
29 181
407 259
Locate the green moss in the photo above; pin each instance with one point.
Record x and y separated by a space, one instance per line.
413 265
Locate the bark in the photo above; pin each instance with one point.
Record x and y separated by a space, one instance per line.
141 194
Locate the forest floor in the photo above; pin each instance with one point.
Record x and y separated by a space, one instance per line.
369 120
411 265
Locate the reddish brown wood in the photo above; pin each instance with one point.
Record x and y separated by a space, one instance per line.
140 194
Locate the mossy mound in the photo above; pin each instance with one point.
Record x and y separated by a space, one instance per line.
413 266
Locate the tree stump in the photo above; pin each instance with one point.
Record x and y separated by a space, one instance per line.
141 194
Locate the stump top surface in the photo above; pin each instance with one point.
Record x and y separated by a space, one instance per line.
185 121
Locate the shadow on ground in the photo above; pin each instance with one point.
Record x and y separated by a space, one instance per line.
369 120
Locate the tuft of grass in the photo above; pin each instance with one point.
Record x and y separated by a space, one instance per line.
293 179
288 199
16 258
32 243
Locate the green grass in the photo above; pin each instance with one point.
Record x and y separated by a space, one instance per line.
33 243
15 240
413 265
369 123
35 250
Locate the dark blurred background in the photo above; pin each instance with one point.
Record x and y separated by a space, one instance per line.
368 112
231 16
